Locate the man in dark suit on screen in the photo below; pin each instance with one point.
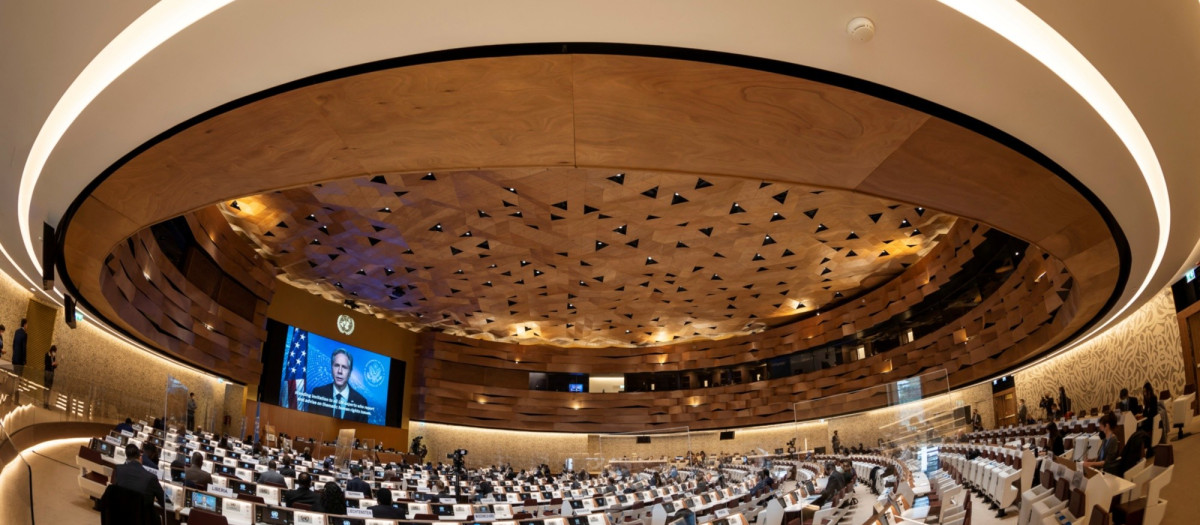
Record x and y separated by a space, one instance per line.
346 403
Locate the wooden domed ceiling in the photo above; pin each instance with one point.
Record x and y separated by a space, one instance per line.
583 257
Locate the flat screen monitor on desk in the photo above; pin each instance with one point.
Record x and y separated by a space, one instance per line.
244 487
443 510
339 520
577 520
200 500
273 515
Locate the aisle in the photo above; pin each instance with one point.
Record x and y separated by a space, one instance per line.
57 498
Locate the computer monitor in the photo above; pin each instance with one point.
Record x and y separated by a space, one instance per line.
105 448
224 470
178 475
443 510
669 507
244 487
273 515
339 520
577 520
204 501
576 504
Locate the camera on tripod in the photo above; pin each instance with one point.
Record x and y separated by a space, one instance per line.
457 456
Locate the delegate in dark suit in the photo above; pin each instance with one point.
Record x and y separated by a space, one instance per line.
133 476
354 399
19 342
341 364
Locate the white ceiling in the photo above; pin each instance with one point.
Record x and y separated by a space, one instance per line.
1146 50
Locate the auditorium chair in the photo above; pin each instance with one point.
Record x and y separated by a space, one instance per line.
1053 504
1146 507
204 517
1037 493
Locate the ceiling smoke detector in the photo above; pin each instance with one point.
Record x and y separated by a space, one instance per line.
861 28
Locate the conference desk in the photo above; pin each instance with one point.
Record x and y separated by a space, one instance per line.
638 465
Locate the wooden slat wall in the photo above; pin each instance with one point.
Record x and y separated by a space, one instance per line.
1023 318
234 255
163 308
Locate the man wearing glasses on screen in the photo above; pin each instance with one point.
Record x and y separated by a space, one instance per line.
337 399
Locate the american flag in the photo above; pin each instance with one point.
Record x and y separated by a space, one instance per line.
294 368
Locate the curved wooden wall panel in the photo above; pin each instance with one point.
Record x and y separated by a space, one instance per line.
158 304
1016 322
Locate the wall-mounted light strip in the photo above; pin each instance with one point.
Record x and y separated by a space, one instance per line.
1023 28
158 24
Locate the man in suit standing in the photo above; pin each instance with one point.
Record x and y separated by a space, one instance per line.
346 403
133 476
19 340
356 483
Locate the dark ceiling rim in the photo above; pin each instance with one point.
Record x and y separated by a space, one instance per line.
650 51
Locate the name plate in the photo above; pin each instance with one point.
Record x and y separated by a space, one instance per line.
488 499
354 494
359 513
722 513
113 439
309 518
485 516
220 491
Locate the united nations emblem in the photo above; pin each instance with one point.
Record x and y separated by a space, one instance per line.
345 324
374 376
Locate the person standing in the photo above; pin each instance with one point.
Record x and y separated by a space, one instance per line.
1 340
1022 414
1064 402
51 363
836 442
18 358
191 411
1149 408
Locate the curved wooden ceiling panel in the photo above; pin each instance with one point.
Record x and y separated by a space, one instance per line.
583 257
602 112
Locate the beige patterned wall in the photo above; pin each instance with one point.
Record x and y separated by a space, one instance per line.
96 364
1143 347
488 446
528 449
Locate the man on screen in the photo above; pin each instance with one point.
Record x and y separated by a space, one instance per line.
346 403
